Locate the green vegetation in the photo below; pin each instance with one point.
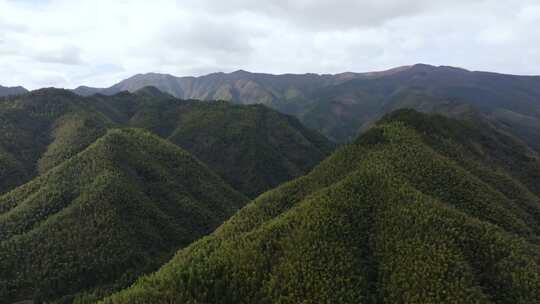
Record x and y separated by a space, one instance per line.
80 218
253 148
112 212
40 130
96 193
419 209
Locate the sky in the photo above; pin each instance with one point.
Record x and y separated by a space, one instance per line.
66 43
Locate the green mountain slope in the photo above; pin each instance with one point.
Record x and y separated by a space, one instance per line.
420 209
258 147
252 147
97 221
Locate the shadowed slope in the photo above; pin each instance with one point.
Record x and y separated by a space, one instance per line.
252 147
41 129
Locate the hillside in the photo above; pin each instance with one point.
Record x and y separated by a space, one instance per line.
419 209
8 91
117 210
252 147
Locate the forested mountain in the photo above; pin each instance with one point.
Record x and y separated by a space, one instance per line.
7 91
98 190
419 209
41 129
341 106
253 148
513 102
116 210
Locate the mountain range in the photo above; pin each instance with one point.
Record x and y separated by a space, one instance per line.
240 87
341 106
96 191
420 184
419 209
254 148
512 102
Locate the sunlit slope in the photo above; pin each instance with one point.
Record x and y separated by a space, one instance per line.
118 209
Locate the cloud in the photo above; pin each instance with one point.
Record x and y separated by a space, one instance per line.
332 15
98 42
66 55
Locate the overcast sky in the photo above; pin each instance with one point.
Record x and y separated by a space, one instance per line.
66 43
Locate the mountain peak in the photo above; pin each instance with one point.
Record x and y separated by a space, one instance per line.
241 72
151 75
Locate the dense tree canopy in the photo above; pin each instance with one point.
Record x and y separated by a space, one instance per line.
252 147
420 209
117 210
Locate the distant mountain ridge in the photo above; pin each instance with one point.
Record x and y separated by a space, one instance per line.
341 106
7 91
239 86
511 102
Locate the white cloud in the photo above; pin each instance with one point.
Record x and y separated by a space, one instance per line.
98 42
